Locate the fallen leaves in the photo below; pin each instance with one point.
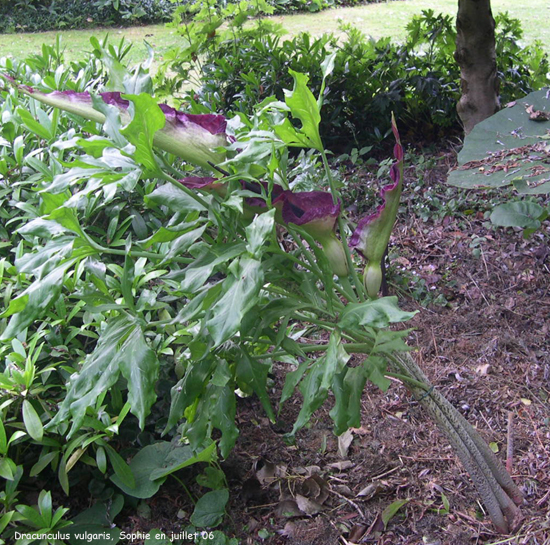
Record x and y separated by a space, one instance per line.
537 115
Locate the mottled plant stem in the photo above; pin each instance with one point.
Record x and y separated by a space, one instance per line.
493 483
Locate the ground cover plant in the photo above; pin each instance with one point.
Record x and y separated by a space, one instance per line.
172 285
43 15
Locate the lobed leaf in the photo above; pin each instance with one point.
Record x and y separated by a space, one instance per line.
373 313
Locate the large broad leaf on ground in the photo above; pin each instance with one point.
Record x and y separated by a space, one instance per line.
210 509
510 147
519 214
153 463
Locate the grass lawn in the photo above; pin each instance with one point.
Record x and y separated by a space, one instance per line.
390 19
377 20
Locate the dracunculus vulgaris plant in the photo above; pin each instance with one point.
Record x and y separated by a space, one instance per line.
240 321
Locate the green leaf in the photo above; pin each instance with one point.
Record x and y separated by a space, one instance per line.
226 315
292 380
211 477
215 408
319 377
5 520
34 301
32 516
375 367
348 387
45 506
97 521
313 394
527 215
120 348
101 459
63 476
32 421
43 462
303 106
147 119
189 388
101 514
175 199
387 341
7 469
291 136
143 464
33 125
210 509
223 417
40 227
121 468
374 313
506 148
259 231
47 258
327 67
68 218
3 439
183 242
180 457
335 359
253 373
139 365
391 510
196 275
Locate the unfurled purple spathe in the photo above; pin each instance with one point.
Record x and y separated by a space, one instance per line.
316 213
194 138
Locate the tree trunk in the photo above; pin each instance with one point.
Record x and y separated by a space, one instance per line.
476 56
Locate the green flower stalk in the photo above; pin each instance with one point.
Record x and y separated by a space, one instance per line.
194 138
373 232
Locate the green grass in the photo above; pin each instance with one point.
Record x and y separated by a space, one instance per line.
78 41
390 19
377 20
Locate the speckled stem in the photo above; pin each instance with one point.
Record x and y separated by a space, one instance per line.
493 483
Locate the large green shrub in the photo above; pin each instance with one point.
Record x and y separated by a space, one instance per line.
418 80
41 15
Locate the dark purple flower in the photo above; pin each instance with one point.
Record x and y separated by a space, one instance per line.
317 214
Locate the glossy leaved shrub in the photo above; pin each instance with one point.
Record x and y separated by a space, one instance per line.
418 79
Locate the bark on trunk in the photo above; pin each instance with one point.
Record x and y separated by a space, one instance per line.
476 57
